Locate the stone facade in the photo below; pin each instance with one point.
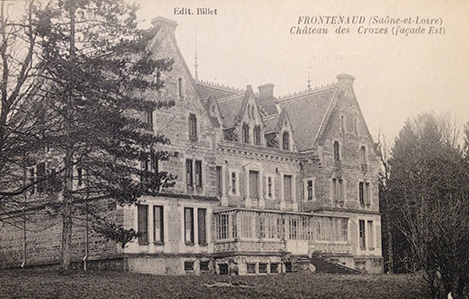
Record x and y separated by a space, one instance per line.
262 182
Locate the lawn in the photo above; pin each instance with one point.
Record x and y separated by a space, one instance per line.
51 284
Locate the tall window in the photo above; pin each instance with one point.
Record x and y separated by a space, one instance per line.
338 191
234 183
158 224
245 133
219 180
342 123
202 227
371 244
142 219
363 159
149 118
355 126
361 228
192 127
309 190
286 141
336 151
287 187
270 187
253 184
198 173
364 194
257 135
189 225
189 173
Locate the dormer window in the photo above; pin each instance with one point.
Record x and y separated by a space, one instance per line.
245 133
286 141
257 135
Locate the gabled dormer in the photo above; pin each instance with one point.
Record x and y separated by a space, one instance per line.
250 120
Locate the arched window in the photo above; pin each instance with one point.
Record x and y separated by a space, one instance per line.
336 151
245 133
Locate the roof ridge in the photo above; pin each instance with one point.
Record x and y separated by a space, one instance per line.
219 86
307 91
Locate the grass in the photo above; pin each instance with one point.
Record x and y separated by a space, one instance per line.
52 284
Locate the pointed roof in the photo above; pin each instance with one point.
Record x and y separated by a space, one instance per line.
307 113
216 91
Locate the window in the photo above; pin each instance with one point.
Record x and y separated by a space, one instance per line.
262 267
363 156
204 265
219 181
342 123
189 173
234 183
286 141
41 176
158 224
257 135
188 265
270 187
192 127
371 244
198 173
149 118
338 190
355 126
251 268
245 133
336 151
253 184
309 190
180 88
202 227
287 187
361 228
343 230
364 195
274 268
142 219
222 226
189 225
79 176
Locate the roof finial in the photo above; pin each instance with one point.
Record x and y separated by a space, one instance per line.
195 63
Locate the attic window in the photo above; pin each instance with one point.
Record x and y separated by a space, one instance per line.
180 89
286 141
245 133
213 109
342 123
257 135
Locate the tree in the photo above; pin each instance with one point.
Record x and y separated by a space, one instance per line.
428 186
98 78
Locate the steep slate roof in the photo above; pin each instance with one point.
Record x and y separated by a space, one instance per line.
267 106
307 114
270 123
230 108
216 91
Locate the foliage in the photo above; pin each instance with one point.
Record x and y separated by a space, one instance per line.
429 208
116 232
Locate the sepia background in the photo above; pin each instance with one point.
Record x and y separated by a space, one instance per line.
249 42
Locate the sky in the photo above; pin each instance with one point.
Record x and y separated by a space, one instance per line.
397 77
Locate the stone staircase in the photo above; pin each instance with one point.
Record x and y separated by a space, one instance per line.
324 266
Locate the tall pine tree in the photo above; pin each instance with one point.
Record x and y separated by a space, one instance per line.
98 73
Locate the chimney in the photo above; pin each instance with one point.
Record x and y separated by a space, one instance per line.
345 80
165 24
266 91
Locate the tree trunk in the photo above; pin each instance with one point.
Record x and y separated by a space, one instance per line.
68 161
